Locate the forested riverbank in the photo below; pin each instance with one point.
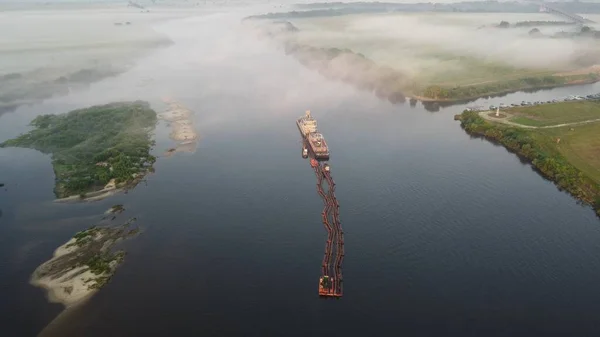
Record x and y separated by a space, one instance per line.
540 150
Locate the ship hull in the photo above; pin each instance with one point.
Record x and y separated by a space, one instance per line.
315 153
300 129
318 155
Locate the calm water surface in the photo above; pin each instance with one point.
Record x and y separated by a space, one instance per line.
445 235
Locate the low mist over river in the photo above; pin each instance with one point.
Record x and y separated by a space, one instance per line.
444 234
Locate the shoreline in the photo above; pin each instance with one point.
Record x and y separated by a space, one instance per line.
85 169
386 82
84 264
390 84
90 196
500 93
69 289
564 175
109 190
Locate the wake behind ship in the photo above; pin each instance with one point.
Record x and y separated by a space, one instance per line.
313 139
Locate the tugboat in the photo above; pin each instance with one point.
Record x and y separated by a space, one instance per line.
327 287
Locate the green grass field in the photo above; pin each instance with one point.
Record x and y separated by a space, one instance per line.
557 113
579 144
567 155
459 70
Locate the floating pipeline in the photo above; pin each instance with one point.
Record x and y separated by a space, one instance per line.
331 281
325 267
339 232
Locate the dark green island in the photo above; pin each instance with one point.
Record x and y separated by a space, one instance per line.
95 150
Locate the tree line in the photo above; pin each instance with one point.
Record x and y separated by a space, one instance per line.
91 146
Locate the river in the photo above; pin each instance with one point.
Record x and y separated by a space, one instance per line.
444 234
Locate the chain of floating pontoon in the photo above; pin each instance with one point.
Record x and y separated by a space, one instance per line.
335 234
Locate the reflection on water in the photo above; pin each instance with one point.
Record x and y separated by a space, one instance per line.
446 235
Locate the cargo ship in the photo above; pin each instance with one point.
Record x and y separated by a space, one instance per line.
314 141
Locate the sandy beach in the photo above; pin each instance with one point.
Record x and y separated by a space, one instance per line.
69 288
108 190
181 121
84 264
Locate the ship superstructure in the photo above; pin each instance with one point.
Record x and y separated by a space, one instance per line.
318 146
307 124
315 142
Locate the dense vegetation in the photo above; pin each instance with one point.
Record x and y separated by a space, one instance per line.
91 146
84 237
541 151
94 251
103 263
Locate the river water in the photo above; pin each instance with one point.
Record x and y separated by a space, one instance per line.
445 235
